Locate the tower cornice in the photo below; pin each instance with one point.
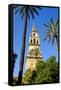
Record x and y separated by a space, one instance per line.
33 44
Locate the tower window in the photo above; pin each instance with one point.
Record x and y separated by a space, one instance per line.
34 41
31 40
37 41
34 34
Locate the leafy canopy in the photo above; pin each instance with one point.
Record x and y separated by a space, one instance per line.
46 72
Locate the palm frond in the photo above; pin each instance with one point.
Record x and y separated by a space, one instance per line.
28 9
52 22
31 12
28 15
22 9
51 19
34 10
46 25
53 40
49 39
52 29
46 36
22 15
17 10
57 23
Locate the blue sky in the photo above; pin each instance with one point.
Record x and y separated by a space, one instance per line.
48 50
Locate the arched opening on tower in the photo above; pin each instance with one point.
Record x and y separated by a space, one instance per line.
34 41
37 41
31 40
34 34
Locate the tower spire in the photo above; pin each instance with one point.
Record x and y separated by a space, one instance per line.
33 27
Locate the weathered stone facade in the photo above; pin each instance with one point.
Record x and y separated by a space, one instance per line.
34 53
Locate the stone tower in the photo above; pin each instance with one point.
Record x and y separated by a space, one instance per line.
34 53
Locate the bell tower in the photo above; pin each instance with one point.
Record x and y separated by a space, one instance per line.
34 53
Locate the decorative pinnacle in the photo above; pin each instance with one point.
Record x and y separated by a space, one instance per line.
33 28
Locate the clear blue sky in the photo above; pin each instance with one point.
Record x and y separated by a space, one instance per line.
18 24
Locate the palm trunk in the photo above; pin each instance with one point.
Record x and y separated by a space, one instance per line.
14 56
22 52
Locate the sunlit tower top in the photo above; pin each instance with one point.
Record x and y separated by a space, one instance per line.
34 52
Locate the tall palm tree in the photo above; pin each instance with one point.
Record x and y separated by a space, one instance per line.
52 31
25 11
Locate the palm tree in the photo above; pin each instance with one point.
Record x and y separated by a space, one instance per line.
52 31
25 11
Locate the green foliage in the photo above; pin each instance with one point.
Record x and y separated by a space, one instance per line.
15 80
46 72
28 77
53 69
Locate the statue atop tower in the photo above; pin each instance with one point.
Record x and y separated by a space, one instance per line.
34 54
